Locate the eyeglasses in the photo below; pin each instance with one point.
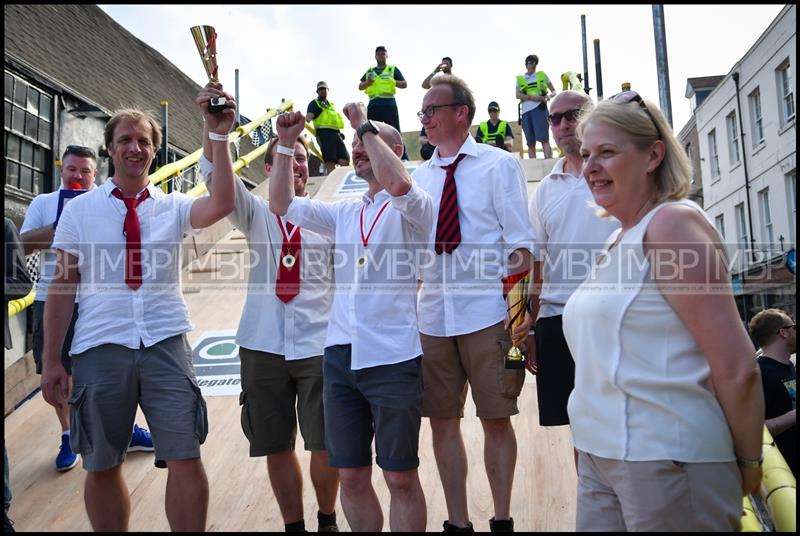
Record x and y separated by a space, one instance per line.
787 327
430 110
631 96
570 115
80 150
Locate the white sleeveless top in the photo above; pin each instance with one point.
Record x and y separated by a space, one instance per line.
642 388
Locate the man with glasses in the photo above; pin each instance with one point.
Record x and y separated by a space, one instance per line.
78 172
532 91
568 235
482 234
776 334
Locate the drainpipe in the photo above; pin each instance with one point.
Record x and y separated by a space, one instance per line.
744 166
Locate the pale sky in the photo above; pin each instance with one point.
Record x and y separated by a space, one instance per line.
282 51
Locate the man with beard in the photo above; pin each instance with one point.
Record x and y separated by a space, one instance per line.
372 362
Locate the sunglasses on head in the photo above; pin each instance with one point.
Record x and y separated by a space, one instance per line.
80 150
570 115
631 96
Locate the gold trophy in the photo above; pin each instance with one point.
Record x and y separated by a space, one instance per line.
205 37
515 292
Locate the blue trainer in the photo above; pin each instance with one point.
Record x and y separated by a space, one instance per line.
66 459
141 440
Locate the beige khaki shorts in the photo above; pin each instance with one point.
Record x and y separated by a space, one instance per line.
448 363
657 496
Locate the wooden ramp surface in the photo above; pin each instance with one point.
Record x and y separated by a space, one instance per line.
241 499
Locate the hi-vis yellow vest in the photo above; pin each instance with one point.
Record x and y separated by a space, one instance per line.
492 138
384 84
532 88
328 117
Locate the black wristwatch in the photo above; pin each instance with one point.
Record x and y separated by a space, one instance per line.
369 126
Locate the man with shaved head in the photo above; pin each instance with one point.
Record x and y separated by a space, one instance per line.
569 234
372 361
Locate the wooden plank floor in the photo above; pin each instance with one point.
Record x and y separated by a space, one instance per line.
241 499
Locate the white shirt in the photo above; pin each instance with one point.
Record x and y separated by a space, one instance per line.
462 292
642 383
527 105
374 306
295 330
42 211
569 235
110 312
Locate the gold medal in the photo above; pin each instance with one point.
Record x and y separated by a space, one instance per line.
288 261
362 261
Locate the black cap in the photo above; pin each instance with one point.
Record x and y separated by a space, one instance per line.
494 106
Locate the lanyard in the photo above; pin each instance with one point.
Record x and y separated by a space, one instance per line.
365 239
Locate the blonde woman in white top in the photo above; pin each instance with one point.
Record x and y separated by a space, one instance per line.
667 409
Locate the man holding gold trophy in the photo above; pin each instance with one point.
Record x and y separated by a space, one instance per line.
136 358
482 238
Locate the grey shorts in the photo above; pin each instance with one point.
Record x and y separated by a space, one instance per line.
271 387
38 337
657 496
382 401
108 383
534 124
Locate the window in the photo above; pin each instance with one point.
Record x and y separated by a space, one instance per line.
689 150
785 92
756 118
766 219
733 138
741 227
712 151
28 135
719 223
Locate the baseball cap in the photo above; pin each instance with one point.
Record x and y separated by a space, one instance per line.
494 106
321 85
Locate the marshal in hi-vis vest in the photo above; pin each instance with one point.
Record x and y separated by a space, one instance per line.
328 117
533 88
491 139
384 84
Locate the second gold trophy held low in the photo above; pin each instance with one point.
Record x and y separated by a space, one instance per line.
515 289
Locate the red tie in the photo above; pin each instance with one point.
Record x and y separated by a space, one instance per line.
287 286
133 237
448 230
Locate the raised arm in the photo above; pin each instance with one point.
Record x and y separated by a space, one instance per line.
289 126
221 199
386 164
426 84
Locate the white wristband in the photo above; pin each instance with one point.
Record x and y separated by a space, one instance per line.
217 137
288 151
